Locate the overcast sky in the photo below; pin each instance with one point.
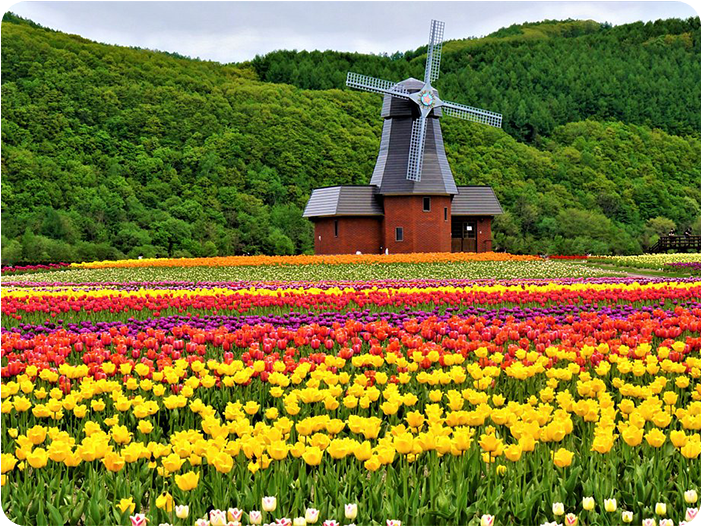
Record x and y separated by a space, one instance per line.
238 31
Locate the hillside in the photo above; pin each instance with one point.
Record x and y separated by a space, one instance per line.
111 151
540 76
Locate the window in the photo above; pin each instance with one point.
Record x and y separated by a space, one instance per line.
336 228
445 213
427 204
399 234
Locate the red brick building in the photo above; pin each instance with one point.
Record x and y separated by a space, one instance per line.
395 214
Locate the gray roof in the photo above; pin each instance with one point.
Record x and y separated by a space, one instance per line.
343 201
475 201
390 173
401 107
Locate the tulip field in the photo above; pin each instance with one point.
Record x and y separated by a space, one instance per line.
467 391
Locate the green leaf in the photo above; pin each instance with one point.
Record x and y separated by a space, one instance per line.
55 515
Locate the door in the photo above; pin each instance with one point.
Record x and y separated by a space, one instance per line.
470 238
464 237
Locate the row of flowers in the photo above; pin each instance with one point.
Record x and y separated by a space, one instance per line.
260 260
17 303
12 269
471 269
648 261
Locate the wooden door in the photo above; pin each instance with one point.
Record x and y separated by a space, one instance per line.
464 237
470 236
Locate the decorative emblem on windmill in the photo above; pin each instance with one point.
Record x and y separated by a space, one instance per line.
427 101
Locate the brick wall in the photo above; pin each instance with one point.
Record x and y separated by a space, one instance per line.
354 234
484 234
422 231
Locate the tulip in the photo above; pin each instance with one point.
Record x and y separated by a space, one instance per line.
218 517
562 458
588 503
690 513
487 520
138 520
691 496
648 522
165 502
234 515
312 456
311 515
37 458
351 511
571 519
558 509
393 523
299 521
182 511
285 522
330 523
661 509
627 516
269 503
666 522
255 517
202 522
610 505
126 504
188 481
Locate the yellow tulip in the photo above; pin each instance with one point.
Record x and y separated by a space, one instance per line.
38 458
187 481
312 456
113 462
562 458
165 502
655 438
126 504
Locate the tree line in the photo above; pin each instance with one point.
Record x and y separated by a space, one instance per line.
113 152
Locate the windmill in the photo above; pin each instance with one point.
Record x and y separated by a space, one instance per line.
412 203
427 101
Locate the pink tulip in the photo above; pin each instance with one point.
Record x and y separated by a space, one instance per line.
487 520
311 515
571 519
330 523
287 522
690 513
269 503
202 522
393 523
648 522
138 520
234 515
218 517
255 517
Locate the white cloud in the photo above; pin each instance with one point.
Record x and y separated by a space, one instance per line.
237 31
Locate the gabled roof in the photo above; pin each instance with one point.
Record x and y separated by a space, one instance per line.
343 201
475 201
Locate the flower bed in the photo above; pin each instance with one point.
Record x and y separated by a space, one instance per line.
647 261
443 402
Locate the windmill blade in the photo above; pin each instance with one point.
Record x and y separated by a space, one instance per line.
471 114
416 152
364 82
436 40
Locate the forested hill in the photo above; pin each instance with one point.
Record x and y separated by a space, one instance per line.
110 151
540 76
